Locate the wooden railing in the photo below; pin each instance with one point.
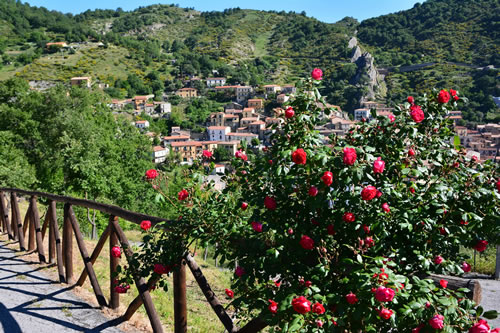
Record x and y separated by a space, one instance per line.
60 251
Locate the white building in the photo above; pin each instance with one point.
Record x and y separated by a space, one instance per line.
239 137
160 154
359 114
243 93
216 81
218 133
163 107
142 124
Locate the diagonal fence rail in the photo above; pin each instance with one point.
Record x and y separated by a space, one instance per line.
60 252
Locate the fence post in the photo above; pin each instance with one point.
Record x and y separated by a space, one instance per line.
68 244
17 220
35 222
5 216
30 225
54 230
180 304
114 297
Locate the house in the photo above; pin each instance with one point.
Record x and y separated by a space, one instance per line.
211 146
218 133
257 104
119 104
166 140
248 112
282 98
142 124
230 146
239 137
82 81
272 88
149 108
257 127
360 114
56 45
243 93
288 89
188 150
176 130
160 154
140 102
247 121
187 93
163 107
222 119
233 106
216 81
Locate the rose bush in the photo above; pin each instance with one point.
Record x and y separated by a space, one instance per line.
340 236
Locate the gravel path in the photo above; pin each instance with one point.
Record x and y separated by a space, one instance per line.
491 299
32 303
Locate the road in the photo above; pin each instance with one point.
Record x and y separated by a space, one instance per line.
30 302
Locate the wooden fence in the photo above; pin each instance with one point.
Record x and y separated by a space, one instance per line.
60 251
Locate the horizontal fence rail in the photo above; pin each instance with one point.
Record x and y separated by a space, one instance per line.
60 252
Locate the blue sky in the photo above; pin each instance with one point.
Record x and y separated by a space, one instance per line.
324 10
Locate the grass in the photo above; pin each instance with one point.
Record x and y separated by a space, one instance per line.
485 261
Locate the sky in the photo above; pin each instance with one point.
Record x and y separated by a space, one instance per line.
325 10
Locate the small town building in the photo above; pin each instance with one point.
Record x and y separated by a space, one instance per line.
81 81
216 81
257 103
218 133
142 124
187 93
160 154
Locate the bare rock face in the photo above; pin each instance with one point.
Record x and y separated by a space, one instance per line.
353 42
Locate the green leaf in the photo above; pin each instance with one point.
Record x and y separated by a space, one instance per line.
492 314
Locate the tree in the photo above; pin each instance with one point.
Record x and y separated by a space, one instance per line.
342 237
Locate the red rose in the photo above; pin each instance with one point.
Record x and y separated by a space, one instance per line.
410 99
456 98
116 252
145 225
378 165
466 267
257 226
427 305
207 154
385 207
239 271
241 154
317 74
480 245
313 191
349 217
443 283
330 230
301 305
385 313
308 284
229 293
277 283
270 203
437 322
244 206
183 195
438 260
498 185
351 298
319 323
122 289
416 113
383 294
299 156
411 152
273 306
289 113
369 193
318 308
349 156
161 269
290 231
366 229
307 242
412 190
369 242
327 178
443 96
151 174
391 118
480 327
453 92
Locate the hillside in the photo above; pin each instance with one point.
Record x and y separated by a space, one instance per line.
153 49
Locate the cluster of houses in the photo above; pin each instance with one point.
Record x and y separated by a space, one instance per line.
484 142
140 104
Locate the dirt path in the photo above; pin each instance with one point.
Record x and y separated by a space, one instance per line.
30 302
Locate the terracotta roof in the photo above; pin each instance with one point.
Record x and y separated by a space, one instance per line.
172 137
226 87
141 122
249 109
241 134
158 148
185 143
140 98
216 78
255 100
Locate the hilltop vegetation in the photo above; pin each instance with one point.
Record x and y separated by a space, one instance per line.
162 45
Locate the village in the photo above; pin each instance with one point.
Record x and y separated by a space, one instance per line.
244 120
